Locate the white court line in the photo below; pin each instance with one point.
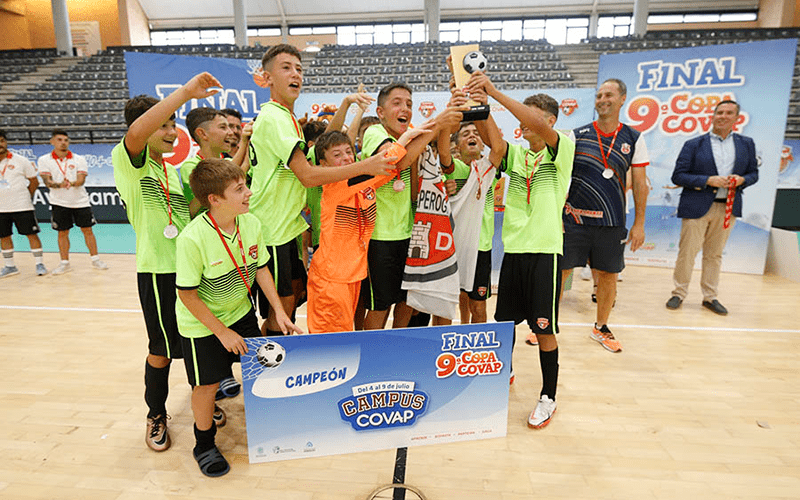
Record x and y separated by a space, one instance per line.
641 327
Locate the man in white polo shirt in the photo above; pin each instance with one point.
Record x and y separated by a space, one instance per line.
65 174
18 182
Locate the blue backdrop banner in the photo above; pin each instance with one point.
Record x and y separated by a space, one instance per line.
671 98
330 394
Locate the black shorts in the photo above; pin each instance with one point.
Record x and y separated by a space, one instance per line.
383 285
63 217
482 286
25 222
529 287
207 361
157 296
602 246
290 267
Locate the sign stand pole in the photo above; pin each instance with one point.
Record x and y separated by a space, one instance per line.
398 477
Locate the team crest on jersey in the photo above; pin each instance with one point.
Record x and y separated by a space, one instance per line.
253 252
426 108
568 106
369 193
625 148
482 291
542 323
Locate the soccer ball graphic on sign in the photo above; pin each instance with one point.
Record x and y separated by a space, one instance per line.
270 355
475 61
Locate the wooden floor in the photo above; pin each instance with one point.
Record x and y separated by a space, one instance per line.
674 416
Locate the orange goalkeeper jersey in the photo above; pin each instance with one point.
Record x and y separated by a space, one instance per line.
347 218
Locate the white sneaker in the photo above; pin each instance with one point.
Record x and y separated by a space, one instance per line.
40 270
61 269
99 265
8 271
586 273
544 411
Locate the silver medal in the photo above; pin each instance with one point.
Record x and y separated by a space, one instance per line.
608 173
398 185
170 232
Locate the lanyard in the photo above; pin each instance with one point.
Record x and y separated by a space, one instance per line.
296 126
5 166
610 147
726 223
63 170
480 177
230 254
529 178
166 191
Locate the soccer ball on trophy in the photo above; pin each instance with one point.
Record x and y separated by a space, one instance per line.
475 61
270 355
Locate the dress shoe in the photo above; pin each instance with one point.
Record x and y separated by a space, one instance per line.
715 306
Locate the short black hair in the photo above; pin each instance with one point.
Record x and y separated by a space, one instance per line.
727 101
543 102
312 130
137 106
198 116
59 131
385 91
3 133
275 50
329 140
231 112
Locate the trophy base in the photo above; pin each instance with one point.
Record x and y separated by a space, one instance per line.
476 113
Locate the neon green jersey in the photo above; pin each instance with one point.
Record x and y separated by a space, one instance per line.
394 216
187 167
141 183
537 191
278 195
205 265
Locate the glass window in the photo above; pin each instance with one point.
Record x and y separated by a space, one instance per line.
512 30
365 28
346 35
300 31
738 16
383 36
470 32
402 37
665 19
534 23
269 32
491 25
555 31
448 36
701 18
578 22
324 30
364 39
491 35
533 34
575 35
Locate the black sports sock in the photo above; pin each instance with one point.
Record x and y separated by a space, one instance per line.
549 364
156 389
204 440
511 359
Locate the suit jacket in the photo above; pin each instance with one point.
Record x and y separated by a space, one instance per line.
695 164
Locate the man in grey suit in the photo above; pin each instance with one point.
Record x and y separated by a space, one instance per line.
706 168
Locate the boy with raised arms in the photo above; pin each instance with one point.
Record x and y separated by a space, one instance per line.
389 245
220 254
281 173
530 277
210 130
158 211
469 147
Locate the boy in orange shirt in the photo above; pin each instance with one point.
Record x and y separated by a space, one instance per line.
347 218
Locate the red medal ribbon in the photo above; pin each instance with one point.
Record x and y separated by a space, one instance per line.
296 126
8 157
480 177
166 191
729 203
230 254
610 147
529 178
